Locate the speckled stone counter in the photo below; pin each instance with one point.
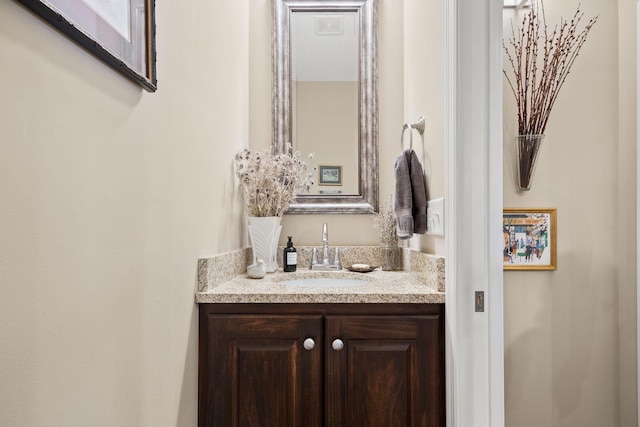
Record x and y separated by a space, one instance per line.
377 287
223 279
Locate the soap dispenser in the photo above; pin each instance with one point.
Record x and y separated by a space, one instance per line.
290 257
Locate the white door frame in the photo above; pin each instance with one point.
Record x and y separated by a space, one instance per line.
474 340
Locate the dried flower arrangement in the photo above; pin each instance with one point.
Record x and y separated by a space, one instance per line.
537 82
385 223
269 181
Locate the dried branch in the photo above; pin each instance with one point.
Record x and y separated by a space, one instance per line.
536 82
270 182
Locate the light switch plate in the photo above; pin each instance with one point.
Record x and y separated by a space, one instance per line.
435 217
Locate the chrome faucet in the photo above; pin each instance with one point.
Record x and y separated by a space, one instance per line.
325 244
326 264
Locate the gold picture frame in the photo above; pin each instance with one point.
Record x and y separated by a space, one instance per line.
529 239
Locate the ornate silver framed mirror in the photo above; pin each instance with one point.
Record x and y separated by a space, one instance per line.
325 99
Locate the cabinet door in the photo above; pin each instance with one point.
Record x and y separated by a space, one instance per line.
255 371
390 372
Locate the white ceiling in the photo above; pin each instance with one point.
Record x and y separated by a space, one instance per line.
324 46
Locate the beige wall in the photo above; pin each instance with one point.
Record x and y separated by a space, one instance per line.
626 215
570 334
109 195
424 95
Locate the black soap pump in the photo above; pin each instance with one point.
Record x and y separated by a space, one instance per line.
290 257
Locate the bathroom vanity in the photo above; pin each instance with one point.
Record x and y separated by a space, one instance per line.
321 365
279 352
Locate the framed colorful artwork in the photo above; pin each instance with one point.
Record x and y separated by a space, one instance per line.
529 239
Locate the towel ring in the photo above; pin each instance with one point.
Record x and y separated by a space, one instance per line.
417 125
405 127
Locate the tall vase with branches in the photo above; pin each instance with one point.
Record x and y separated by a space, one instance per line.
541 59
270 182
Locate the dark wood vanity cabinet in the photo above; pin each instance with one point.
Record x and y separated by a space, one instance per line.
254 370
357 365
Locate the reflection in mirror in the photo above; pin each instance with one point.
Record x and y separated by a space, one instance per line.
325 99
324 96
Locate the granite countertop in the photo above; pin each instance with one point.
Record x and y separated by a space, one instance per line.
222 279
378 287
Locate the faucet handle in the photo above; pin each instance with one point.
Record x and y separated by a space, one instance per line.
336 260
314 256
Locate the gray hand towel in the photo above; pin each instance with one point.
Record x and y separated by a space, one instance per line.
418 194
403 203
411 198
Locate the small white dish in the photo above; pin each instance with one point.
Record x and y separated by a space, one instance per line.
361 268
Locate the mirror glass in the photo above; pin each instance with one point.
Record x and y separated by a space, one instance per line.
324 96
325 99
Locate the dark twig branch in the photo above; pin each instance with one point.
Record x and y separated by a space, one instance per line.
535 82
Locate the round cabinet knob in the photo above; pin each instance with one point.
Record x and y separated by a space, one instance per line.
337 344
309 344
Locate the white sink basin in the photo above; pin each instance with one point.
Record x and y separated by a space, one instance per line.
324 282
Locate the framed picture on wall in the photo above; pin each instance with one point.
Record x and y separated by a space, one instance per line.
330 175
529 239
120 33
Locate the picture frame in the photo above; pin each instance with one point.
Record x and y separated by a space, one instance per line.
330 175
529 236
121 34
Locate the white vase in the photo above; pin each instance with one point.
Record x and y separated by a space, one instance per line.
265 233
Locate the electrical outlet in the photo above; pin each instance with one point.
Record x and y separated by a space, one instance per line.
435 217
